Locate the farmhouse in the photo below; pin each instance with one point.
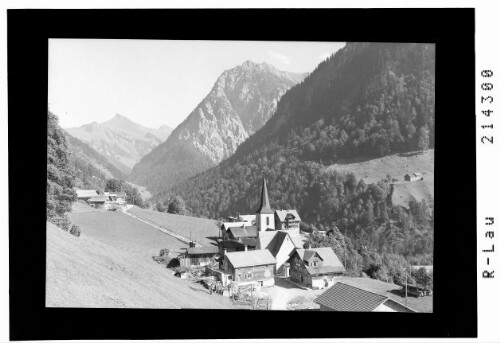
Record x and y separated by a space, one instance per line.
117 197
286 219
347 298
85 194
199 256
315 268
413 177
250 267
100 201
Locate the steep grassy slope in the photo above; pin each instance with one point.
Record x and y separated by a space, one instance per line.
87 272
198 228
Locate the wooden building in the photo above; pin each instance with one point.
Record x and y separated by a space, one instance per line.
237 233
315 268
286 219
250 267
199 256
347 298
85 194
100 201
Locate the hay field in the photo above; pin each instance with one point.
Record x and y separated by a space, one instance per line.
397 165
123 232
87 272
199 228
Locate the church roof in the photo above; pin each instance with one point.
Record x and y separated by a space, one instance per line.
265 206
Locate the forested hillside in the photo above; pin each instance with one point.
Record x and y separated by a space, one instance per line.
60 176
90 167
368 99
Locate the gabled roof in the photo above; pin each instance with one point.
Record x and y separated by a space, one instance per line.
330 264
227 225
343 297
240 259
231 244
265 205
86 193
283 213
240 232
266 239
296 238
202 250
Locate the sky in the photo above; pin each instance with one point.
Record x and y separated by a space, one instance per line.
155 82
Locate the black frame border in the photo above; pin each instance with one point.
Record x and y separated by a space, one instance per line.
452 30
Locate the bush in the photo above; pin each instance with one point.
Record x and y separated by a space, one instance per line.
61 222
75 230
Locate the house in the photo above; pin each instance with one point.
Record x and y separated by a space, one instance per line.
85 194
100 201
117 197
250 267
198 256
413 177
237 233
286 219
281 244
227 225
315 268
233 245
348 298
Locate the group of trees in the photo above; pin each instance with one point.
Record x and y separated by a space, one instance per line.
175 205
133 195
60 176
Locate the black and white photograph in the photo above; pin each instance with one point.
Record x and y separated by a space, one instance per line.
240 175
272 174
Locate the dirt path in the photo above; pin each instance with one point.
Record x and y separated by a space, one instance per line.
162 229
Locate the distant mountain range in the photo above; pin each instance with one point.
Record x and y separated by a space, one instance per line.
120 140
241 101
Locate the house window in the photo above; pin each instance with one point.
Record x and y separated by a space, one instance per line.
230 277
249 275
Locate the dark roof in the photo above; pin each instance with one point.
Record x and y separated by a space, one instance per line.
202 250
342 297
240 232
265 206
230 244
249 241
240 259
330 264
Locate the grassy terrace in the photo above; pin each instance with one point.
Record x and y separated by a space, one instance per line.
204 231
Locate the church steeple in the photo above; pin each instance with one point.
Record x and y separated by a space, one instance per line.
265 206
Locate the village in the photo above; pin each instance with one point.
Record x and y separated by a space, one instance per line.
259 261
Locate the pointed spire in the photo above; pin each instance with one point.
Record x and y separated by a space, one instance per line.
265 206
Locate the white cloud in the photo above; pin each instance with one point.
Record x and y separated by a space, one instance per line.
324 56
279 57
